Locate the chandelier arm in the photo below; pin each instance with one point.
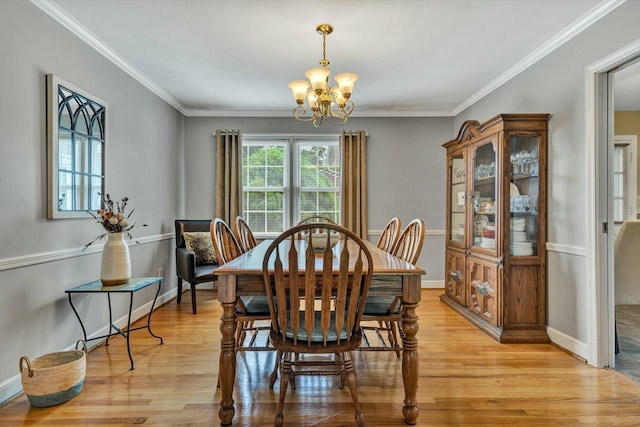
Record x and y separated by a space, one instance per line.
348 107
299 113
344 111
339 120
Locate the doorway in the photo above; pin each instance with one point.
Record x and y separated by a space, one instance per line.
626 228
599 136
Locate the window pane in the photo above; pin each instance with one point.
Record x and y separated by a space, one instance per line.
327 202
618 210
256 201
255 155
618 159
319 166
275 156
308 202
275 222
319 203
275 176
275 201
255 176
256 221
618 185
308 176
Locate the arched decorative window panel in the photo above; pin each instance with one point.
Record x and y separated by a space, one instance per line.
76 138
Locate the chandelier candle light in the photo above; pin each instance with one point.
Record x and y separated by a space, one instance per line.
325 101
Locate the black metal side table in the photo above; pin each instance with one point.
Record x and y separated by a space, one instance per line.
135 284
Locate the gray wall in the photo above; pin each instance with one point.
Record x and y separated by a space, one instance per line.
40 258
556 85
405 161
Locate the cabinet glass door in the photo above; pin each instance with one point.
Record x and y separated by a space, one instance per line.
523 233
458 198
484 196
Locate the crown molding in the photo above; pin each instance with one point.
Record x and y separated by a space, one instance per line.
287 113
582 23
579 25
70 23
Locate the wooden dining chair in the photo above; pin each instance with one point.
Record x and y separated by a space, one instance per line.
389 235
387 310
249 309
409 244
243 234
317 309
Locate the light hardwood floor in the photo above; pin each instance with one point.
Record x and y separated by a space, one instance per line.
466 379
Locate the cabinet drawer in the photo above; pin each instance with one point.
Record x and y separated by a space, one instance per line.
483 289
455 271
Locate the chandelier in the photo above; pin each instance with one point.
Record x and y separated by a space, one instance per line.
325 101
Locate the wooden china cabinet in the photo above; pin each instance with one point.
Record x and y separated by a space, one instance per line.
495 269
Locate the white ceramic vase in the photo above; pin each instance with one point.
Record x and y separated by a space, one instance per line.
116 263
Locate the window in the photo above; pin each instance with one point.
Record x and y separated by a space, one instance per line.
624 179
287 178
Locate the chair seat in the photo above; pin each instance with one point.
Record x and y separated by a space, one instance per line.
379 306
255 306
204 273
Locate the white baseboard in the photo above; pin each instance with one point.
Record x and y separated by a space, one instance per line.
568 343
432 284
13 386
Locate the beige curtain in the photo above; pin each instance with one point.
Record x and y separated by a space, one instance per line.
354 182
228 196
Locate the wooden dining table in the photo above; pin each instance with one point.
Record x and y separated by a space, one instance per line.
391 277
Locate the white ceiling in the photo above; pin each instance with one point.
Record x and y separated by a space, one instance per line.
235 57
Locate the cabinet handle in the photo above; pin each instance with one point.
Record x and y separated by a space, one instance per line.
455 275
483 287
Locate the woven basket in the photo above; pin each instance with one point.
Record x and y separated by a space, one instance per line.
54 378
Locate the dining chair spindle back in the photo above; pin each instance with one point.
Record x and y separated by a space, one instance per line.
390 235
244 234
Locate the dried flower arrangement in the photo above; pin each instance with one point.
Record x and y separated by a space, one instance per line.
113 218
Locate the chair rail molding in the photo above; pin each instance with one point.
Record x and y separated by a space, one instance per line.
43 257
580 251
426 232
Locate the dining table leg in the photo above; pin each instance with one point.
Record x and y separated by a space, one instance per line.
410 361
227 366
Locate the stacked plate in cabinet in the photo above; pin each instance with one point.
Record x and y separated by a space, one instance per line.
489 236
488 243
519 244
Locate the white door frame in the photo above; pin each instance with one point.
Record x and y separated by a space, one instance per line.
598 140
